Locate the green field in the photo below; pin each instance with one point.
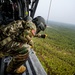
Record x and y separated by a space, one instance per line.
57 51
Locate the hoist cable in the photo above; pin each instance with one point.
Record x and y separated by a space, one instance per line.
49 10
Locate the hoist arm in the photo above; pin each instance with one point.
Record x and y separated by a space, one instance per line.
33 7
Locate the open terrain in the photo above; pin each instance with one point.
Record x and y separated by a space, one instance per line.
57 51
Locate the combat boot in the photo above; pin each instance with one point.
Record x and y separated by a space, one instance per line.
20 70
17 71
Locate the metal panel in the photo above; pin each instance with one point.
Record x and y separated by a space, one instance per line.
34 7
33 65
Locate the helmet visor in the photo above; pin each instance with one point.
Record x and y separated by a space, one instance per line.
40 27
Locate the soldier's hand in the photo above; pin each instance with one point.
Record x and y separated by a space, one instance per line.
43 35
31 43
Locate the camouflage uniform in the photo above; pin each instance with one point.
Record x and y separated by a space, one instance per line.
15 41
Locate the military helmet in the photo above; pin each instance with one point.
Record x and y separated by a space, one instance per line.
40 23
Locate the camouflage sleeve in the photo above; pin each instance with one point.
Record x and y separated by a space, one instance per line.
29 32
27 37
12 28
38 35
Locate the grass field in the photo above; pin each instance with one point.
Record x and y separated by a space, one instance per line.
57 51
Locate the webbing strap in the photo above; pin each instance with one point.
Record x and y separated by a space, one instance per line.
5 41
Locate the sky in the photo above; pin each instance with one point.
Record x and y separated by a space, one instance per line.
60 10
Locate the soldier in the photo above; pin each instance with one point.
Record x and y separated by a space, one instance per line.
16 39
40 24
